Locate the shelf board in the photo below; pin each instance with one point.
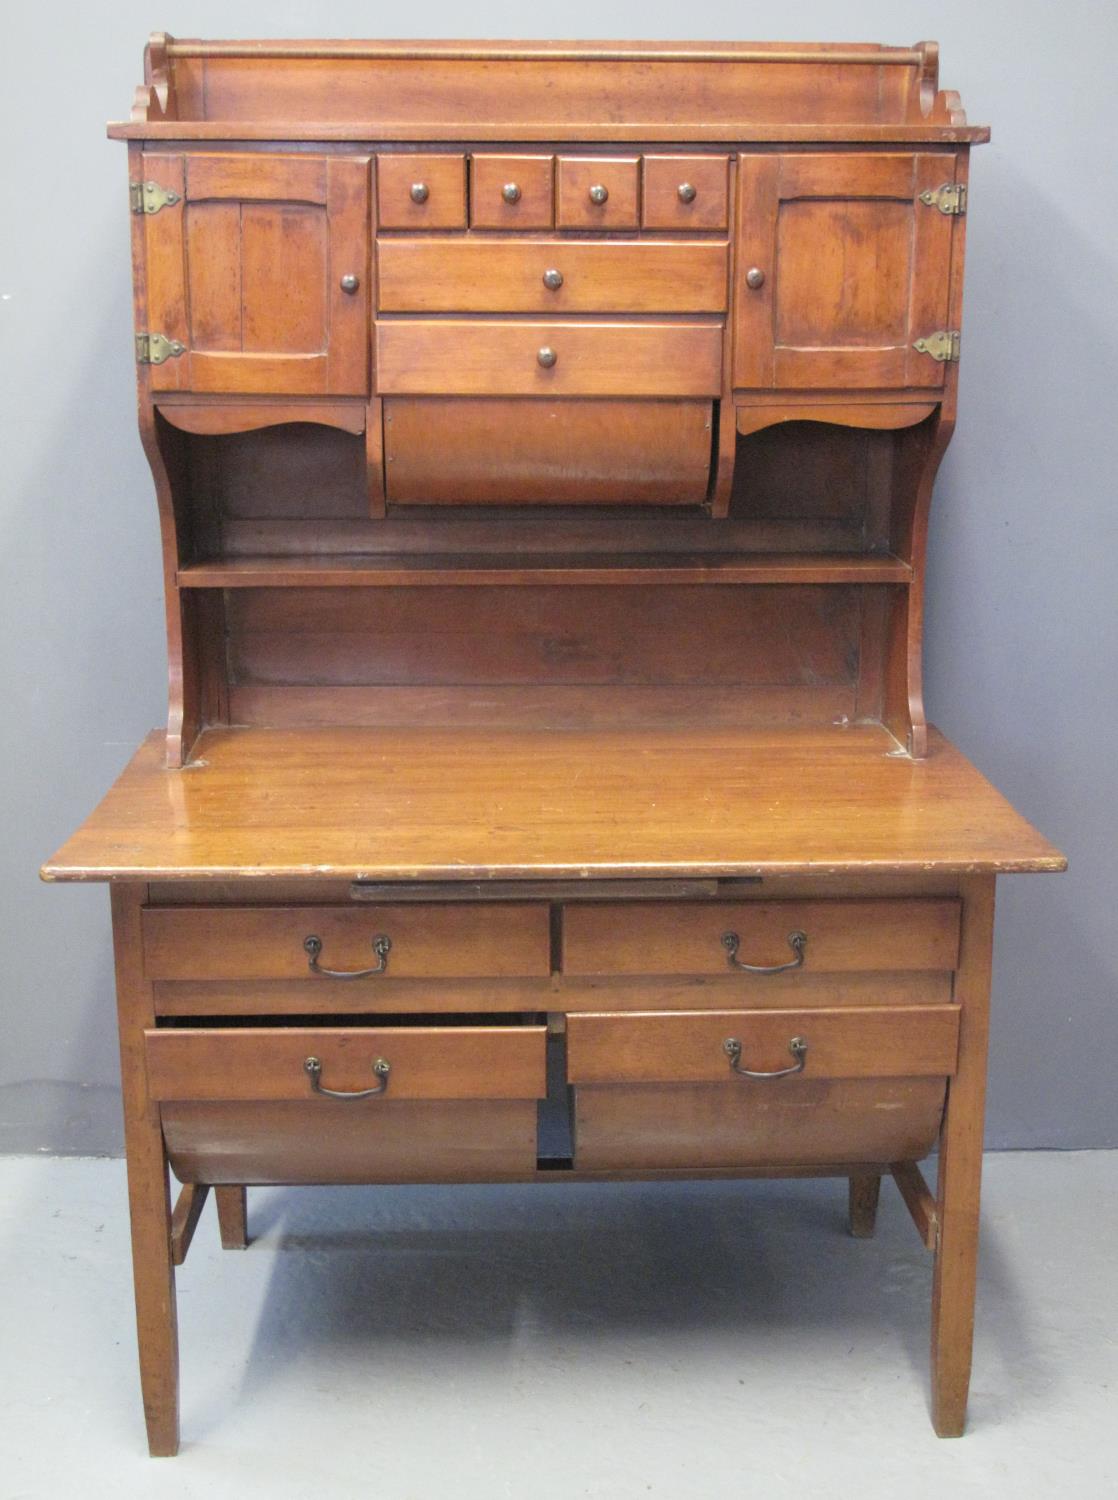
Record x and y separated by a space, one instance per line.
465 569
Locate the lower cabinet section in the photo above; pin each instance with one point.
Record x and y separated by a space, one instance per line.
754 1124
333 1141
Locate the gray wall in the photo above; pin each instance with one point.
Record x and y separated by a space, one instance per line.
1023 618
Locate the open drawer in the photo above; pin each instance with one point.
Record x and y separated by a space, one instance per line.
348 1103
757 1089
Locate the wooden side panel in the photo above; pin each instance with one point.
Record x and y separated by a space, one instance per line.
678 1047
751 1124
672 938
323 1140
462 451
425 1062
267 942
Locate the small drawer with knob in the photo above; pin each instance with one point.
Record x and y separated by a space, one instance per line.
598 192
470 275
512 192
419 191
685 192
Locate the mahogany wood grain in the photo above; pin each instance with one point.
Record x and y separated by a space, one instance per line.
958 1186
232 1212
332 1141
507 275
577 175
752 1125
427 1062
686 938
662 205
149 1194
184 1218
854 1042
443 451
532 176
449 941
209 418
863 1194
468 805
460 356
444 177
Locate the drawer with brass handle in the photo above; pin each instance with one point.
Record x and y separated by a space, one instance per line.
685 192
421 191
464 357
761 938
335 945
503 275
598 192
759 1089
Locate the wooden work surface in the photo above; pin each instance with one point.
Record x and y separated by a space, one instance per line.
445 804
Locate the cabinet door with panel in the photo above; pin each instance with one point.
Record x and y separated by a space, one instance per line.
256 271
843 267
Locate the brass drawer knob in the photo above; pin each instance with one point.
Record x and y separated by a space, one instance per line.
349 283
511 192
420 192
687 192
553 279
547 357
754 278
599 193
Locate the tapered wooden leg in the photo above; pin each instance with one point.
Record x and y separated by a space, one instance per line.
864 1193
960 1169
149 1196
232 1217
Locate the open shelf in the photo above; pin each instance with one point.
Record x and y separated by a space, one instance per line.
457 569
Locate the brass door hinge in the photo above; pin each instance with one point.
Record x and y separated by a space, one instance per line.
150 197
942 345
949 197
155 348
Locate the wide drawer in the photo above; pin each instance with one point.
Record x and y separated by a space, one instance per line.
716 1046
324 1140
454 356
453 941
721 937
547 276
384 1063
453 450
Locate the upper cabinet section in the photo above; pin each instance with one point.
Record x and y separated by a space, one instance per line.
727 92
844 269
257 273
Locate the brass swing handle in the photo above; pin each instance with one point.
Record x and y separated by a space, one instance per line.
313 1069
797 1046
312 947
797 941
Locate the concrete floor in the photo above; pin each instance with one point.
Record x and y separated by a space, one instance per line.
551 1342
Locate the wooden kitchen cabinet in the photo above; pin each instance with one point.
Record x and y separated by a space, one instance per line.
543 439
